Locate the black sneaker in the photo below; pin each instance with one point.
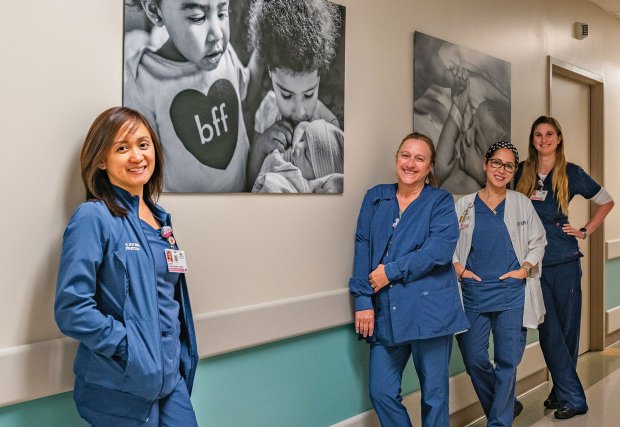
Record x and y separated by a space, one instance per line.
518 409
552 404
566 413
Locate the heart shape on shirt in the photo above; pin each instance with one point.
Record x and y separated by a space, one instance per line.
208 126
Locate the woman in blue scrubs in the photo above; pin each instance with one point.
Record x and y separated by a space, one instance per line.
501 243
121 288
551 183
406 296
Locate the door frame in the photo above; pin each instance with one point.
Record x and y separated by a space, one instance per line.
597 169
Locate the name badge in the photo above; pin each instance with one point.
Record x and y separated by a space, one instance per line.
539 195
464 219
176 261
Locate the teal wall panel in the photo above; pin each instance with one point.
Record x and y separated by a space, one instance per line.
612 284
52 411
312 380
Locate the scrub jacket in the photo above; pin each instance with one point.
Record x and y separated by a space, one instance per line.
423 291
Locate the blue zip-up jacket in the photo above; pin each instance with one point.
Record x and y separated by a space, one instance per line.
423 290
106 292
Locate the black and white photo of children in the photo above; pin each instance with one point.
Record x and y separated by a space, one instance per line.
233 88
462 101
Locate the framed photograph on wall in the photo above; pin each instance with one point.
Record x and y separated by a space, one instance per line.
461 101
245 96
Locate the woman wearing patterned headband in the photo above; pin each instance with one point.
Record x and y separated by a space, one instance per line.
551 183
497 260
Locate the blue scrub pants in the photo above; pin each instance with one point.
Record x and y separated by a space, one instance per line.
494 385
173 410
431 358
559 334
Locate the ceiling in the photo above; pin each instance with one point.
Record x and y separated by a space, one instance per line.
611 6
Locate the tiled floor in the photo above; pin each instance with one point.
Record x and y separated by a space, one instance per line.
600 375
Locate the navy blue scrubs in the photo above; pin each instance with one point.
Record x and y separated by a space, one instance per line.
431 358
420 309
561 288
174 405
493 305
168 308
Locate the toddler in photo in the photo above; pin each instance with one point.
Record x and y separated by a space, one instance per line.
191 91
296 41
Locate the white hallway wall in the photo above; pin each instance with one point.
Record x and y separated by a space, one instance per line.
62 65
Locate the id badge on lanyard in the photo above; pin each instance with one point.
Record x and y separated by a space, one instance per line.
539 195
175 259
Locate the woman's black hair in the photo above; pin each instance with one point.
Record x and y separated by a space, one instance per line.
97 144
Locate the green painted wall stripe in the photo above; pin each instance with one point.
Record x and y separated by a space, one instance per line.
312 380
612 284
52 411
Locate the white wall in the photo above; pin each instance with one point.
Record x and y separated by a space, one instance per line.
62 65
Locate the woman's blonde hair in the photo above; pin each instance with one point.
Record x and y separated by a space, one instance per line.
529 173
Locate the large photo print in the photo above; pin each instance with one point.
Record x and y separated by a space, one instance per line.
244 95
462 101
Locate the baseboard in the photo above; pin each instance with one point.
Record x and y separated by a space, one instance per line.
612 339
41 369
612 320
473 413
463 398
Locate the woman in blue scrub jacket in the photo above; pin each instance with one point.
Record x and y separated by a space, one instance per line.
497 259
121 290
551 183
404 286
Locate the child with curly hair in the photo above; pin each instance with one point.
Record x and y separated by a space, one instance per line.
296 41
191 91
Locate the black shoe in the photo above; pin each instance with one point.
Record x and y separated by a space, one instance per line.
552 404
566 413
518 409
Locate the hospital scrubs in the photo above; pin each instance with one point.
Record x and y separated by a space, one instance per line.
173 408
561 287
431 358
420 309
496 306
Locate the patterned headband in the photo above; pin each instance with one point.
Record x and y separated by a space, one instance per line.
502 144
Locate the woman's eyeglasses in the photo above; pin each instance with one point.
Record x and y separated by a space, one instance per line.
497 163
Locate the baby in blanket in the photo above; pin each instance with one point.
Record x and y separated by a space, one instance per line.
313 164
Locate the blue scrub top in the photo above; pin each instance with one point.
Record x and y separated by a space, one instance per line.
491 256
561 247
168 308
383 319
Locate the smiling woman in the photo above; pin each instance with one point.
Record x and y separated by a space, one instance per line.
121 291
414 160
406 296
130 161
502 295
551 183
